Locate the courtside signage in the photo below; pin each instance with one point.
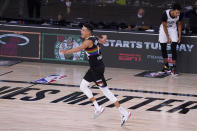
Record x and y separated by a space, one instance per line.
53 43
19 44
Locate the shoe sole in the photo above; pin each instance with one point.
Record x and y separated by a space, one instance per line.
174 75
127 119
99 113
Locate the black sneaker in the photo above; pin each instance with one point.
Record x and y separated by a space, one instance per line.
165 69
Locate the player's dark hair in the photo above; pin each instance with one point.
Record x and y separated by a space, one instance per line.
89 26
176 6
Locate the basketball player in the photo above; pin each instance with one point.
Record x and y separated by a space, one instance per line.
95 73
169 33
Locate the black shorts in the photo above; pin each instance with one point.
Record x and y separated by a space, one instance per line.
96 75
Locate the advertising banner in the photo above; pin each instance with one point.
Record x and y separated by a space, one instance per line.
133 50
143 51
53 43
19 44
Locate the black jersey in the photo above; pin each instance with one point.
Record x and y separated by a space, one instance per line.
94 53
171 21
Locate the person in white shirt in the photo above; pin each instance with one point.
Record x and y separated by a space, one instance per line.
170 32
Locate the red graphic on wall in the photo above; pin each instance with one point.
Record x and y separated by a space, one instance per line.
10 48
130 57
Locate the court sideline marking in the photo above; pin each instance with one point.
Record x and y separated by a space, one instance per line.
95 87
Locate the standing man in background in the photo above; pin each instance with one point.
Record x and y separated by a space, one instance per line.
139 21
192 15
170 32
68 5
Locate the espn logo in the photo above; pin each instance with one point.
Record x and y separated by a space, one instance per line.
130 57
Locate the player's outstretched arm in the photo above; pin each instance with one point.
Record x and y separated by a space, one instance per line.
84 45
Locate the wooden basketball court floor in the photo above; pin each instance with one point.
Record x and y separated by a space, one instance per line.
156 104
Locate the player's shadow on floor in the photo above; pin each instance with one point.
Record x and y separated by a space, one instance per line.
152 74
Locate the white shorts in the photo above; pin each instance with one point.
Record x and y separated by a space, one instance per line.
173 34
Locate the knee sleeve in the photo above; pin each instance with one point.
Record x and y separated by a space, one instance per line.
84 87
173 49
109 94
164 50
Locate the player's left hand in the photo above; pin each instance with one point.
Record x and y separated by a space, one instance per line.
179 41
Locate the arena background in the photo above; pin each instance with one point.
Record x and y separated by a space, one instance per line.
127 49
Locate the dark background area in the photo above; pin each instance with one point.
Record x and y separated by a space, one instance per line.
104 13
97 11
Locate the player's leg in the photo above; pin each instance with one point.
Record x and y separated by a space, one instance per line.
165 57
124 113
174 57
174 37
89 77
101 82
84 87
163 42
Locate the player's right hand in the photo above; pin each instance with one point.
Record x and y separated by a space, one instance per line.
169 40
